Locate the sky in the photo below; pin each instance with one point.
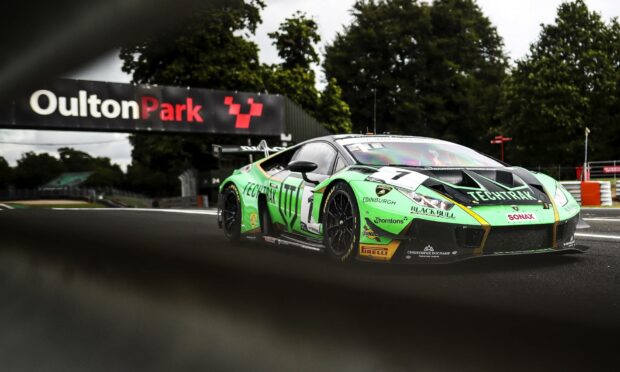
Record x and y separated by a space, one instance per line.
517 21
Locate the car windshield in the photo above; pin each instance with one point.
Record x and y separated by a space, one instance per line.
414 152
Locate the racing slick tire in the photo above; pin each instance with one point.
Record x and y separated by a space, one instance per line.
231 213
341 223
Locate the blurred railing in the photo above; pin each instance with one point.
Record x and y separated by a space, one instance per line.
605 169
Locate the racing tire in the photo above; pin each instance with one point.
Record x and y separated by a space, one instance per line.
231 214
341 225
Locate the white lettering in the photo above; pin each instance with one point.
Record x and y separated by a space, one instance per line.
52 102
110 108
135 110
72 110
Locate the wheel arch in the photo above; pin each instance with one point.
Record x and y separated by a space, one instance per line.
333 183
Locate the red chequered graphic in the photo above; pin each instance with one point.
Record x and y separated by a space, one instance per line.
243 120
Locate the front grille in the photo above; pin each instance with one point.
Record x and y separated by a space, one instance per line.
519 238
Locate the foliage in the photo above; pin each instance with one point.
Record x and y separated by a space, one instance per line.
6 173
295 40
569 81
34 170
210 50
297 83
333 112
206 50
436 68
296 43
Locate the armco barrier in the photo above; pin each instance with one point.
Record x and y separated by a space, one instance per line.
574 187
605 193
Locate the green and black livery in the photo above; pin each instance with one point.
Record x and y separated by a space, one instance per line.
397 199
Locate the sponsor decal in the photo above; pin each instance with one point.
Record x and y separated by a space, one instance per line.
611 169
370 234
515 208
252 190
396 221
376 200
253 219
517 217
570 243
375 251
381 190
432 212
429 252
501 195
288 203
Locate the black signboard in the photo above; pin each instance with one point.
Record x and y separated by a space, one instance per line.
113 107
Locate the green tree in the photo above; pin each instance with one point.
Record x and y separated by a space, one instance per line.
6 173
436 69
35 170
297 83
210 50
296 40
333 112
569 81
105 174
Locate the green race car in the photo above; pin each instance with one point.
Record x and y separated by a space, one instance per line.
397 199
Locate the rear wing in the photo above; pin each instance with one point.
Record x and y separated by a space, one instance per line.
262 147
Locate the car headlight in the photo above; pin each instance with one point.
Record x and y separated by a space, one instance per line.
559 197
427 201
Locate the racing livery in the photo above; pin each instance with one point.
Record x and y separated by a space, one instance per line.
397 199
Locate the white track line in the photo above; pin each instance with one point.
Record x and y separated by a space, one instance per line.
6 206
185 211
602 219
598 236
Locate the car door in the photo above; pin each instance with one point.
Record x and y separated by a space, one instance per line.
299 193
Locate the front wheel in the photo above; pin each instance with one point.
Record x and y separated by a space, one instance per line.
341 223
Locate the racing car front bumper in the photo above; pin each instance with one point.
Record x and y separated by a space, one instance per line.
424 241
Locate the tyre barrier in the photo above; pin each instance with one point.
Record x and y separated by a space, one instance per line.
574 187
617 189
605 193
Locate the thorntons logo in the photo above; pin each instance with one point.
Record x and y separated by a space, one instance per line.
45 102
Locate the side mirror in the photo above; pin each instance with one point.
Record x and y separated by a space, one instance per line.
303 167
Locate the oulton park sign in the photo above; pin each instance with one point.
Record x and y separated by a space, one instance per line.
112 107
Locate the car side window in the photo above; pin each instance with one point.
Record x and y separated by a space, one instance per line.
340 164
320 153
278 163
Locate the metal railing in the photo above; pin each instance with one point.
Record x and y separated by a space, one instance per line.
605 169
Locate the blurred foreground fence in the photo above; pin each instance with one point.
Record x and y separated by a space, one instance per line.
109 196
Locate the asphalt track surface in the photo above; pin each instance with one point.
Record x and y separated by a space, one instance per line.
131 290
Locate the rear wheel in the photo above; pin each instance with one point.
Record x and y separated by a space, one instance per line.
231 213
341 223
